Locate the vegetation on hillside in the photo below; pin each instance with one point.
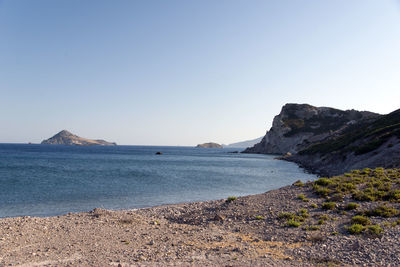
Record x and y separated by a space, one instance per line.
368 199
360 138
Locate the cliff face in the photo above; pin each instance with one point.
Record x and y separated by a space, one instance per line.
299 125
66 138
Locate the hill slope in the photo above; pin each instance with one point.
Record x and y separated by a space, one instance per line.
370 143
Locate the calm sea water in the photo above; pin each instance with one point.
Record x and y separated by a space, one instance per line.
45 180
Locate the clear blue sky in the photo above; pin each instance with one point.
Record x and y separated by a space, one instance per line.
187 72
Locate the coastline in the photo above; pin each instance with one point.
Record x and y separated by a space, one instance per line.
241 232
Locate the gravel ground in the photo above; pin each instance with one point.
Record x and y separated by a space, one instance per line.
242 232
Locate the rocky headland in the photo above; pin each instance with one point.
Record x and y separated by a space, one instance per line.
329 141
209 145
66 138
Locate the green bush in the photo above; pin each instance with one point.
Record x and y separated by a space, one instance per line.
329 205
323 181
324 217
355 228
293 223
374 230
314 206
383 211
258 217
351 206
303 198
298 183
322 191
230 199
364 196
312 228
286 215
338 197
361 220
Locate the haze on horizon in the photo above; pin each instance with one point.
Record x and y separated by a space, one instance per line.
189 72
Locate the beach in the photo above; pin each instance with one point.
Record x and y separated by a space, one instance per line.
244 231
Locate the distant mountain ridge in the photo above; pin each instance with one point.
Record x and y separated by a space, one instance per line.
66 138
244 144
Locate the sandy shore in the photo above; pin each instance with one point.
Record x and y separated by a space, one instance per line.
242 232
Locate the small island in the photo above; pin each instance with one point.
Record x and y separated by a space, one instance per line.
66 138
209 145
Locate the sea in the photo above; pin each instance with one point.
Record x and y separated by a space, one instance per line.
50 180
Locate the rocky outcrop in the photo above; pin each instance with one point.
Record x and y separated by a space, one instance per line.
299 125
209 145
66 138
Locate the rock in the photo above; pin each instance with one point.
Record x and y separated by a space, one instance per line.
159 153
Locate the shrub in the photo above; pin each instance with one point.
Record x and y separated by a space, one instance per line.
312 228
382 211
230 199
324 217
393 195
293 223
322 191
314 206
337 197
320 221
298 183
323 181
328 205
303 198
360 220
374 230
351 206
258 217
355 228
364 196
286 215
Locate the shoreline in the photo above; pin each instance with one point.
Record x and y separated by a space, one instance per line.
245 231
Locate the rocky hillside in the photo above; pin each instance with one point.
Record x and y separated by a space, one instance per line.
66 138
369 143
299 125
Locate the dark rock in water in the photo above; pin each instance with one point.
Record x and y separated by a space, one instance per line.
234 152
66 138
209 145
159 153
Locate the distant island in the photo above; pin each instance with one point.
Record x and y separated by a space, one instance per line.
209 145
66 138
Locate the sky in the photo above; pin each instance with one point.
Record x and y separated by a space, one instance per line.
187 72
